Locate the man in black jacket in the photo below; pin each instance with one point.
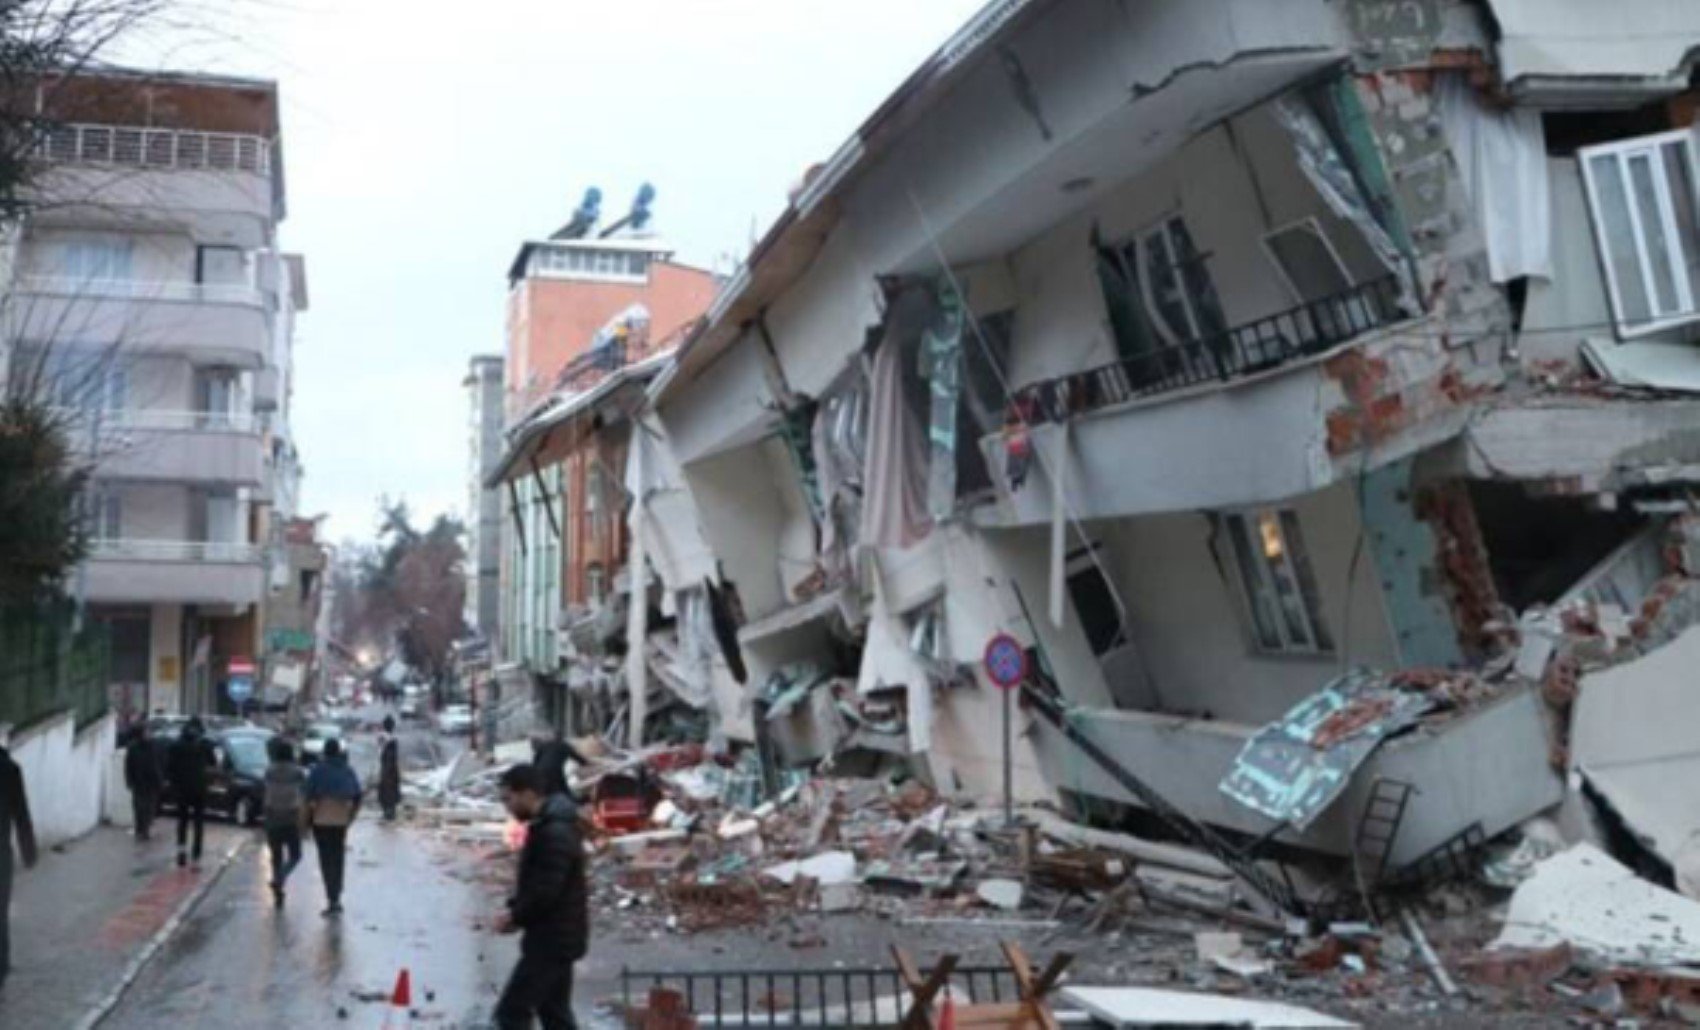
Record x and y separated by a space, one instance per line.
549 753
144 777
549 906
14 819
191 760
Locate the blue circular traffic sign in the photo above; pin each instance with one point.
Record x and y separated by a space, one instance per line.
1006 661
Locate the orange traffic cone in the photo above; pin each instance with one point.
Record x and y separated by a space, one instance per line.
400 1013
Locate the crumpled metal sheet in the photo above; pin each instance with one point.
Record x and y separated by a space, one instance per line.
1293 769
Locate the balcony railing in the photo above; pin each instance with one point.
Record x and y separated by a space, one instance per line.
162 420
142 289
155 148
1267 343
175 551
593 366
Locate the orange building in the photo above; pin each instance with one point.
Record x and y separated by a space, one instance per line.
581 312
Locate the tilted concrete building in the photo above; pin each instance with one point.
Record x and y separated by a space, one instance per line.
1213 350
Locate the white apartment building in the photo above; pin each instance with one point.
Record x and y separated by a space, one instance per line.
150 295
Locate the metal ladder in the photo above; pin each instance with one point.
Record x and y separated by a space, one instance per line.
1378 828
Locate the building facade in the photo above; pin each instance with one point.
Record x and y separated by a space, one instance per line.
149 295
1214 351
483 385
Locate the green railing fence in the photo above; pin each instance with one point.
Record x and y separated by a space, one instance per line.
47 667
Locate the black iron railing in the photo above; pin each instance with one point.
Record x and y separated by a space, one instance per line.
836 997
1299 332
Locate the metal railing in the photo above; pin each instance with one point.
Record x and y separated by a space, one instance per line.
142 289
593 365
1303 331
47 667
125 549
815 997
155 148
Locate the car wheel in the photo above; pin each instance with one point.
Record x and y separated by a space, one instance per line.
247 813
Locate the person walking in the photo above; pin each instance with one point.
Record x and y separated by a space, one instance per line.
549 753
14 821
389 770
549 907
191 759
333 802
145 778
286 809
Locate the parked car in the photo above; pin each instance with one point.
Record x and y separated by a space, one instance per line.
236 783
412 709
313 741
455 720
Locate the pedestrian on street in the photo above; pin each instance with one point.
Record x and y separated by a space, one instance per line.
14 820
333 802
286 810
549 907
389 770
191 759
145 777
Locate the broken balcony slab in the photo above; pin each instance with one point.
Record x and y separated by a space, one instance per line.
1632 739
1597 443
1133 1007
1488 765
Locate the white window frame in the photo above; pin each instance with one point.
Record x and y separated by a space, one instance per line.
1314 227
1173 336
1260 584
1625 151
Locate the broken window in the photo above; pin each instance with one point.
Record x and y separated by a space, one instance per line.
1178 285
980 413
1162 303
1279 583
1306 261
1094 600
1642 193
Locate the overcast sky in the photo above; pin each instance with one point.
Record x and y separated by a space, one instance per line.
421 146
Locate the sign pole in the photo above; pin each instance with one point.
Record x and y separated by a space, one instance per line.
1006 666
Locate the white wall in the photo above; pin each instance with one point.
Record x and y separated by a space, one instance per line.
64 775
754 518
1188 619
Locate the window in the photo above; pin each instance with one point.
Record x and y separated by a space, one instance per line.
91 258
1177 284
1161 302
1280 587
1306 261
595 584
106 515
1643 196
87 380
220 265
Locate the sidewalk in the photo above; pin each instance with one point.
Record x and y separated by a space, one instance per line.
83 914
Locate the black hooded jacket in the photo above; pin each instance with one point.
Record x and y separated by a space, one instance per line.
549 904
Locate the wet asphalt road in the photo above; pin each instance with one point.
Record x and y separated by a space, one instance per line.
239 962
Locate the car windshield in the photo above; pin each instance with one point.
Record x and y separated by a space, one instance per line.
247 753
323 731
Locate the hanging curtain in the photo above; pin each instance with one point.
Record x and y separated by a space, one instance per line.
1502 158
941 367
894 499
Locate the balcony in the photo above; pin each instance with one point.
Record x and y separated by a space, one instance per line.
226 183
212 323
1276 408
196 447
1267 343
126 571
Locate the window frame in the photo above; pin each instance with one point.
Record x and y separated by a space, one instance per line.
1163 229
1313 225
1652 147
1318 641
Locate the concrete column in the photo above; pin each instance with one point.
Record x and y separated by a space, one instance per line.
166 661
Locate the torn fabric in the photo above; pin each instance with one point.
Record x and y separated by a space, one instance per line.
894 501
941 366
1501 157
1291 770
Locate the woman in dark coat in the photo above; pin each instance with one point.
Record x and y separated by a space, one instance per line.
389 771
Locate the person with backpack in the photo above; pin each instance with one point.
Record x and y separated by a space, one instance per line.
333 803
286 809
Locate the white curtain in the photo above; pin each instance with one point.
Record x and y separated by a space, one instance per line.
894 502
1502 159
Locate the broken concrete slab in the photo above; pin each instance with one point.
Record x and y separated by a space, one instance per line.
1004 894
1149 1007
1632 739
1586 899
827 868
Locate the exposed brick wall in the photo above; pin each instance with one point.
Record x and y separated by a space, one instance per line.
1465 572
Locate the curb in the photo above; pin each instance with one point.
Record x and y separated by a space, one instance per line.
104 1007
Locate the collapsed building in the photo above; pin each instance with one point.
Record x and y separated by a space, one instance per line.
1309 387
